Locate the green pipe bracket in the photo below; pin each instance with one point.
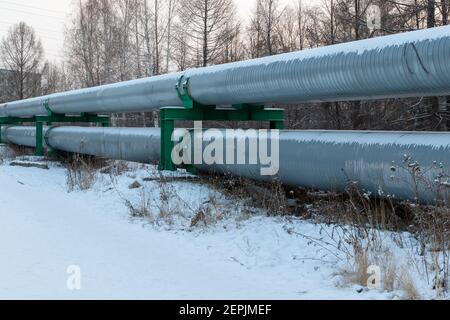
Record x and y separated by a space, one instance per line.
194 111
49 119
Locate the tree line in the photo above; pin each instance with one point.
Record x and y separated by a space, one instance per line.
108 41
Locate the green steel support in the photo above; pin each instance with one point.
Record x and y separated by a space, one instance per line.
193 111
167 129
12 121
209 113
49 119
39 151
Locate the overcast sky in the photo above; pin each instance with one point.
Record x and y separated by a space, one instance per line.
48 18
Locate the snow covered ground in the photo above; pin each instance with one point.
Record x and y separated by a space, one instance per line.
44 230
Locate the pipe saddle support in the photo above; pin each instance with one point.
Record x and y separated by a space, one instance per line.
169 115
49 119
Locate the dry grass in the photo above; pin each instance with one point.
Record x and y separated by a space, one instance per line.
168 207
11 152
390 272
81 172
6 154
359 224
408 287
168 202
361 264
363 224
271 197
210 213
141 209
162 211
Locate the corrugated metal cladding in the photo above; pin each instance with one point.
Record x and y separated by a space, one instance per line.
326 160
411 64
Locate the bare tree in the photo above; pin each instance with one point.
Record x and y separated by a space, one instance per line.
92 41
157 37
56 78
431 14
125 10
114 40
22 54
207 22
271 16
445 7
156 20
171 10
287 30
301 25
180 50
265 23
137 43
233 49
255 33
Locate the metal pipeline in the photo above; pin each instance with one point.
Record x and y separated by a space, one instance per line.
414 64
326 160
131 144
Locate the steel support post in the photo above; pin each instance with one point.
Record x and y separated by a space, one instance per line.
167 129
49 119
39 151
209 113
194 111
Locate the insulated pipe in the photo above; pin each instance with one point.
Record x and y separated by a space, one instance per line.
326 160
131 144
413 64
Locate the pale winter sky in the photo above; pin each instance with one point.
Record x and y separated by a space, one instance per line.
48 18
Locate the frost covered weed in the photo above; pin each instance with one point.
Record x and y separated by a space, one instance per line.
115 169
363 232
367 244
275 202
210 213
431 224
156 211
408 287
5 153
10 152
168 207
81 172
434 178
390 274
270 197
433 232
361 238
161 203
361 264
141 208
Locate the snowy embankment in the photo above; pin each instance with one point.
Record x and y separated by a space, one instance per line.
44 230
